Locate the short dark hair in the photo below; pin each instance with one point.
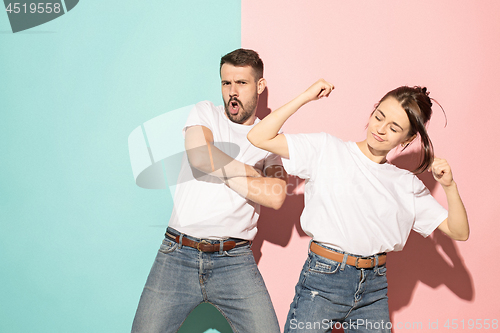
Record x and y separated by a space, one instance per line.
244 57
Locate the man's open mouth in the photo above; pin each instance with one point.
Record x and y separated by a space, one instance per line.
234 107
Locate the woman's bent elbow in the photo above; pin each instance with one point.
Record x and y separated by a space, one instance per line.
253 139
462 238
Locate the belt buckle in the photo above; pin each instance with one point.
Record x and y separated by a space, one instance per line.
203 241
365 258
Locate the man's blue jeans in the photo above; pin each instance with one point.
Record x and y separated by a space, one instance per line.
183 277
330 295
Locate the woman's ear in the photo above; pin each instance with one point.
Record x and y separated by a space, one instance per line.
407 142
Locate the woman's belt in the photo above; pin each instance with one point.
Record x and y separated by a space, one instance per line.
358 262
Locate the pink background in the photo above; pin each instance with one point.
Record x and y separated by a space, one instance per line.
366 49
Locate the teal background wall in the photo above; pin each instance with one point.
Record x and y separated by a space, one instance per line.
78 237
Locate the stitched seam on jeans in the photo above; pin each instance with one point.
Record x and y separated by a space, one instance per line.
168 249
227 318
240 252
381 274
319 271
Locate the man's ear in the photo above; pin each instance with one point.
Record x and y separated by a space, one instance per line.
261 85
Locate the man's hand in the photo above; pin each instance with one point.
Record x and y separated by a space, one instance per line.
205 157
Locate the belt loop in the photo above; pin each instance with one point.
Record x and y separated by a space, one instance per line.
376 262
180 241
344 261
221 246
309 248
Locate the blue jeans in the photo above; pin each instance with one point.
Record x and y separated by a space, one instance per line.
330 295
183 277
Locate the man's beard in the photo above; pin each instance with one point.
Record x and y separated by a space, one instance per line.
244 113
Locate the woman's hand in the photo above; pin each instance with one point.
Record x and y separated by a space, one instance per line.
441 171
457 224
265 135
319 89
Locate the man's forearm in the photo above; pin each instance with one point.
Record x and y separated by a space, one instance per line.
266 191
211 160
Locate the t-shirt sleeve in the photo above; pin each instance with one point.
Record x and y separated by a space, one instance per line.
304 152
201 114
429 213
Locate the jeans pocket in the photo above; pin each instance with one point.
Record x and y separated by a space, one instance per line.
381 270
167 246
324 266
239 251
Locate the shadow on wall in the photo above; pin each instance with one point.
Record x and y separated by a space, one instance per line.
434 260
276 226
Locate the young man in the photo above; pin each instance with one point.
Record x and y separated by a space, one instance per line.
206 256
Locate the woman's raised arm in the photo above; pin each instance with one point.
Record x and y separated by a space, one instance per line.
265 135
457 224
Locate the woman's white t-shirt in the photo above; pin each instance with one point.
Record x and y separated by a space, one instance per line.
354 204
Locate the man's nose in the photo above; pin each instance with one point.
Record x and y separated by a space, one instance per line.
233 92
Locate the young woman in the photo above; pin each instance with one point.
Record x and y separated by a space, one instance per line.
358 206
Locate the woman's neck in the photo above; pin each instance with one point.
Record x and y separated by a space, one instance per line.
377 156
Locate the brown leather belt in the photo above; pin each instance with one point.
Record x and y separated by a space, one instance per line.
206 246
358 262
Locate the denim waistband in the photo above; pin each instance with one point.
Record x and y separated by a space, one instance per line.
174 232
343 252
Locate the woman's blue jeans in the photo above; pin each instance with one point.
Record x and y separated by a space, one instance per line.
330 295
183 277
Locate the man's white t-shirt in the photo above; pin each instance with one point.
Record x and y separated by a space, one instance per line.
354 204
204 207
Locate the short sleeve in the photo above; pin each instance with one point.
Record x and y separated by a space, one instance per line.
429 214
304 152
201 114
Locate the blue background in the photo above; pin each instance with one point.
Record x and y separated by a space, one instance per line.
78 237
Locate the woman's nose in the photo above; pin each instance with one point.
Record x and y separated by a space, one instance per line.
381 129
